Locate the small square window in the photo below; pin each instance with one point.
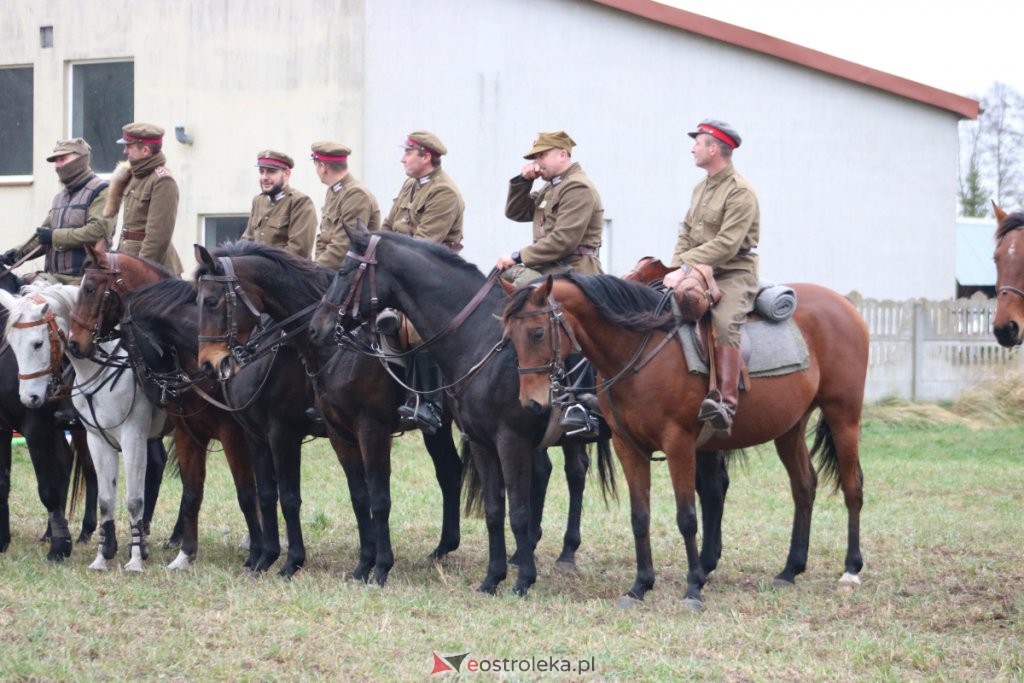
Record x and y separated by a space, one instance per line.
220 229
45 36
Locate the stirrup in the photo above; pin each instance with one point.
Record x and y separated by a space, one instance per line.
419 415
578 420
715 412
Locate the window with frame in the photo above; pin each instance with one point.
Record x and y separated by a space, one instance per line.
102 97
220 229
16 122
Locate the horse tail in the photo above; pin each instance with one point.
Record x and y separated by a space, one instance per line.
173 466
77 480
606 470
472 486
828 457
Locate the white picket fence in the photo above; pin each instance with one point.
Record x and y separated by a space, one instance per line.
932 350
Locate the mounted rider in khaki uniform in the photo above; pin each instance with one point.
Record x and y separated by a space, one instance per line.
568 220
429 206
280 216
721 230
348 202
75 218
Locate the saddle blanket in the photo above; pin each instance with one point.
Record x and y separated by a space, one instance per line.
775 349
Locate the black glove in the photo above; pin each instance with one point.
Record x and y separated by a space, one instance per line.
44 235
9 257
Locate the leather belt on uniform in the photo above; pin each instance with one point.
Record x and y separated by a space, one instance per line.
454 246
584 250
136 235
744 251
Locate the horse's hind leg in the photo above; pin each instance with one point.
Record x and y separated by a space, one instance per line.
355 476
844 424
792 450
577 461
712 485
236 452
448 470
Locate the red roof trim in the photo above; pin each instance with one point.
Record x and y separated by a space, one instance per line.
791 52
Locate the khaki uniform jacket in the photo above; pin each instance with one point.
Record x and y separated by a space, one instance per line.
567 215
430 208
349 202
287 221
723 220
150 207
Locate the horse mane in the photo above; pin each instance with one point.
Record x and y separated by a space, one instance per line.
441 252
622 303
313 279
1012 221
163 297
158 267
60 297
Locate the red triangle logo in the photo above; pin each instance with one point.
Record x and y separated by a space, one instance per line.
440 665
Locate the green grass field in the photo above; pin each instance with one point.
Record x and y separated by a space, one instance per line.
941 597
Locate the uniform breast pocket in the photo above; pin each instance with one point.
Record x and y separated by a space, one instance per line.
712 222
137 206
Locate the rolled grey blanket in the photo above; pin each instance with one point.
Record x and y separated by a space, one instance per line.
776 303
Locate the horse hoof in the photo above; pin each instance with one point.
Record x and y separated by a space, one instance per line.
566 567
849 582
487 589
99 565
693 604
779 582
180 563
628 602
134 566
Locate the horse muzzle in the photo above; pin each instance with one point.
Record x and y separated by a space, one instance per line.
1008 334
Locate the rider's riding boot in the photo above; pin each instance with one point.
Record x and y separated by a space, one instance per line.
317 424
389 325
423 410
580 417
720 405
66 414
156 460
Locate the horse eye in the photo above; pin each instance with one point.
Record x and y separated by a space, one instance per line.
537 335
210 302
37 345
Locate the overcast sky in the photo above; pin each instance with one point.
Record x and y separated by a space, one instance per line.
962 47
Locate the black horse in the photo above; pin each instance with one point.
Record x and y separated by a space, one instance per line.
52 457
432 285
355 394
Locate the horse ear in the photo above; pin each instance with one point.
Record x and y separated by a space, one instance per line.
8 300
1000 214
359 235
548 285
98 253
203 258
507 286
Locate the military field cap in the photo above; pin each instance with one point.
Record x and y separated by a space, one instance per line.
333 152
427 141
718 129
148 133
559 139
73 146
269 158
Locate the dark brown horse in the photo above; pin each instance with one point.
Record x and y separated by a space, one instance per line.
656 407
106 285
1008 325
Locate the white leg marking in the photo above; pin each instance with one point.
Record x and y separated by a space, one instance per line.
181 562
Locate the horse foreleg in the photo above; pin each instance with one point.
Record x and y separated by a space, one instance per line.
156 461
266 488
192 464
51 460
286 444
636 468
448 471
81 443
105 460
682 466
792 450
540 476
5 488
519 475
136 463
576 464
375 444
355 476
712 484
239 462
489 470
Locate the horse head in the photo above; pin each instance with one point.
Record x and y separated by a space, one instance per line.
1009 257
534 323
98 308
348 301
227 315
35 331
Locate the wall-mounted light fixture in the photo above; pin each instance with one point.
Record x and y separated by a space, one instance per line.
180 136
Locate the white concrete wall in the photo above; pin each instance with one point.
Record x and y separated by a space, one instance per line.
857 187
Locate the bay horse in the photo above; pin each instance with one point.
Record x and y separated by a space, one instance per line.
433 286
164 349
116 415
357 398
1008 324
654 402
56 464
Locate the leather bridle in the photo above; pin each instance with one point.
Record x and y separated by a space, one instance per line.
349 304
55 388
233 293
1007 289
115 288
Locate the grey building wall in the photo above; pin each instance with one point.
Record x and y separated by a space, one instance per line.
857 186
